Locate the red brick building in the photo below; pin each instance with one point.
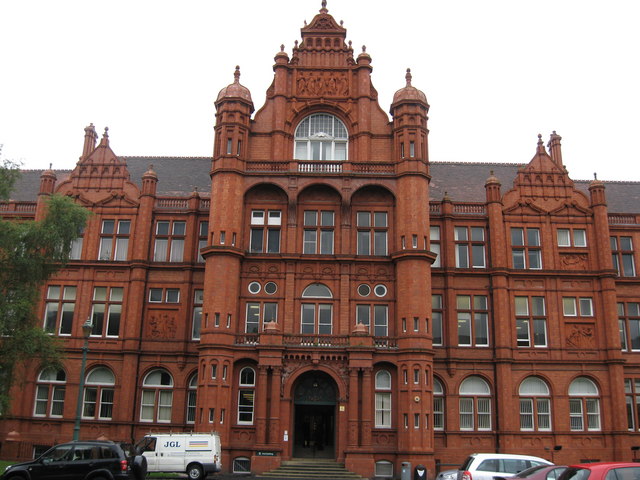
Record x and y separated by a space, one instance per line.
321 288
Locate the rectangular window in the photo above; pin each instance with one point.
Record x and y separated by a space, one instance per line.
203 233
55 404
531 322
169 241
59 309
573 307
622 255
576 237
629 324
114 240
196 326
76 247
173 295
318 232
264 236
473 320
438 413
526 249
469 247
316 318
245 406
436 315
632 396
260 313
106 311
434 239
191 406
383 410
372 233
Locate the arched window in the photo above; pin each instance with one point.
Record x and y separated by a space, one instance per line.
157 397
321 137
584 402
475 404
191 398
316 317
535 405
438 405
98 394
246 395
50 393
383 399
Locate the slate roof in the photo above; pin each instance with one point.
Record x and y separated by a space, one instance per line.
463 182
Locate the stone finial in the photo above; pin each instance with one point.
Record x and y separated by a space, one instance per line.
324 7
236 75
408 77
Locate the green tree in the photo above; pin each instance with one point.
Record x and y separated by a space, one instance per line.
30 252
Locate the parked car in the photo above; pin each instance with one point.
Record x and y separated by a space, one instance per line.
602 471
447 475
98 460
485 466
539 472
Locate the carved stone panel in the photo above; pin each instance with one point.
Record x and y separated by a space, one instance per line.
322 84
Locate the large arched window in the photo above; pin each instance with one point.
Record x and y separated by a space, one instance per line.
157 397
535 405
50 393
383 399
584 401
246 395
475 404
98 394
321 137
316 317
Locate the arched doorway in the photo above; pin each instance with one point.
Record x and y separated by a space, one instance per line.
315 399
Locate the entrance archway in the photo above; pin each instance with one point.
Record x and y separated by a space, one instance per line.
314 399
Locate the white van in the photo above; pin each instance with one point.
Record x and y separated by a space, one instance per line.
196 454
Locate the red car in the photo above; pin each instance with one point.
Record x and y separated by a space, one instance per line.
602 471
539 472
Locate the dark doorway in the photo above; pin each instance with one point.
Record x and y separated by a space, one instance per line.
314 417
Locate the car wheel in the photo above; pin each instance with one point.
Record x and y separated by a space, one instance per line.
139 467
194 472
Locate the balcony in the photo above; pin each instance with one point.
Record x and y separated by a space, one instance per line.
315 341
321 167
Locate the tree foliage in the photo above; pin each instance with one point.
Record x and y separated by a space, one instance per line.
30 252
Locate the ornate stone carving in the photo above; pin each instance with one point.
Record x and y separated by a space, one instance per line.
322 84
161 325
581 336
573 261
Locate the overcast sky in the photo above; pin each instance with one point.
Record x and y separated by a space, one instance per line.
496 73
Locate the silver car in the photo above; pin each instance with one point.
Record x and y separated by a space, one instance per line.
484 466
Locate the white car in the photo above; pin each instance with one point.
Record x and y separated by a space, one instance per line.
483 466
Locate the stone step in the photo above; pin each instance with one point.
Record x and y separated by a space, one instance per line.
305 469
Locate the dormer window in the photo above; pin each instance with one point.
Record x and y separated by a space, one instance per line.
321 137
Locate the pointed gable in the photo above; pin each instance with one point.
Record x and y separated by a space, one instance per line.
322 76
100 177
544 186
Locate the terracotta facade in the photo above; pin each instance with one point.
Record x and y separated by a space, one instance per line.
333 293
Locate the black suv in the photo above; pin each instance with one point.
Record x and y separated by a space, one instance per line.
80 460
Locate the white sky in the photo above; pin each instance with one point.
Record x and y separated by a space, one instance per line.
496 73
